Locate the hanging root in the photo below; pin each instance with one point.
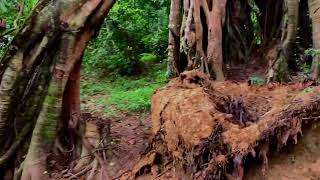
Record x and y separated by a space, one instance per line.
93 171
264 149
200 36
238 170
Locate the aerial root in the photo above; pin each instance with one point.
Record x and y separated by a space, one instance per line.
238 171
103 170
94 168
18 172
264 150
253 152
70 175
93 155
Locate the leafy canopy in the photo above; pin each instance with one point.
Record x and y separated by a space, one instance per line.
134 31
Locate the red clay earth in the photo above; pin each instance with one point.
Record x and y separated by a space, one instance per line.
299 162
295 162
210 130
130 137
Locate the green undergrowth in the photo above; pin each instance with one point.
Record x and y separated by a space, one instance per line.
123 93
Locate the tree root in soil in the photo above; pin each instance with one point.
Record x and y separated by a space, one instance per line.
205 129
95 140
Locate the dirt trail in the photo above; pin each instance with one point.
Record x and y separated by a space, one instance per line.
130 137
299 162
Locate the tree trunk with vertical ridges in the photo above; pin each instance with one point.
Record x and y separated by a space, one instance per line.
39 83
200 36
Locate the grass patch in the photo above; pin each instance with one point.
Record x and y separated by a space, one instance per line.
125 94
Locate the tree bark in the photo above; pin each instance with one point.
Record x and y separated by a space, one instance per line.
314 12
216 22
279 69
39 79
200 36
174 38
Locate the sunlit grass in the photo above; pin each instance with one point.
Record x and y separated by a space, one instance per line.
126 94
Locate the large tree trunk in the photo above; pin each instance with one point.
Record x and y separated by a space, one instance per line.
314 12
239 31
201 36
279 69
174 38
216 22
39 79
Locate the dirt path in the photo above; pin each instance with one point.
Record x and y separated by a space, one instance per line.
130 133
129 137
299 162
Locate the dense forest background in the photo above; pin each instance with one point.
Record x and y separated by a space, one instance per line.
121 68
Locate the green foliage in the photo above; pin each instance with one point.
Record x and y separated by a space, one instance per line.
135 32
14 13
254 22
148 57
257 81
308 90
9 11
132 100
312 52
127 94
306 68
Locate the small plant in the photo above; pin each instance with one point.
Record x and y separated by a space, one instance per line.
257 81
306 68
308 90
148 57
312 52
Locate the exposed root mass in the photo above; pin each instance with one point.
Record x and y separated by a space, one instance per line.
205 129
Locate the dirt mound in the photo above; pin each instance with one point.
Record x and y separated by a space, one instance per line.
204 129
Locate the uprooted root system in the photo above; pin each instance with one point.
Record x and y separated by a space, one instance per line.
204 129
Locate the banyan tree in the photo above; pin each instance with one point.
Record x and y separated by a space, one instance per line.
217 35
199 126
39 86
